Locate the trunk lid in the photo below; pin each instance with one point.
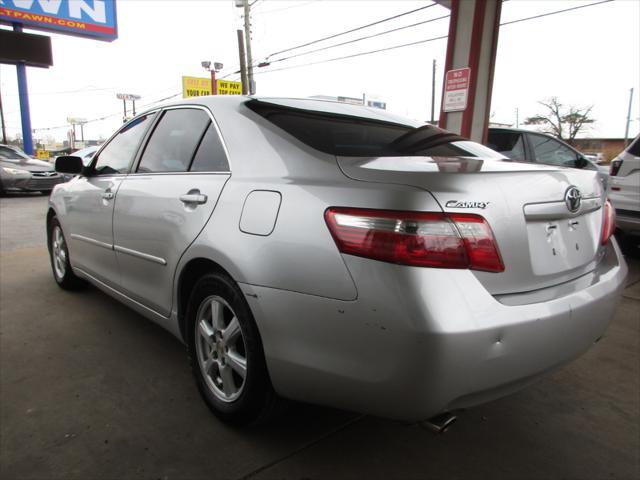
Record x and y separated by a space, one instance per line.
542 242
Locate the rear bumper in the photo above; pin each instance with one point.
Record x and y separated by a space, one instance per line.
420 341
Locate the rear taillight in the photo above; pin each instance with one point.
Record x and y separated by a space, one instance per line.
615 167
419 239
608 223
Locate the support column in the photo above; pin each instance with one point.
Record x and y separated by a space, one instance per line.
473 40
23 95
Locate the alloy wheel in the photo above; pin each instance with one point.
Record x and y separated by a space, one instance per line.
59 252
221 348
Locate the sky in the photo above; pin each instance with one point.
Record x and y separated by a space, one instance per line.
589 56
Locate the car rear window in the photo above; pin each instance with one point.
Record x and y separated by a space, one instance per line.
634 148
350 136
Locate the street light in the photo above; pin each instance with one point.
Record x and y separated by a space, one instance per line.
217 66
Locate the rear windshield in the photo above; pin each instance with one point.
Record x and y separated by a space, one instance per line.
350 136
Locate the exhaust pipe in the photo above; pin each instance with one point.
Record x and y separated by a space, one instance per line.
440 423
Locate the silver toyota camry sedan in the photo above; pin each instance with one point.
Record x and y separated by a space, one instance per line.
339 255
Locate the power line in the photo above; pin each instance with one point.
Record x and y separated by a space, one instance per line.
345 57
263 64
99 119
350 31
360 54
359 39
555 12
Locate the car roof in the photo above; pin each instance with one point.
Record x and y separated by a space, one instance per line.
311 104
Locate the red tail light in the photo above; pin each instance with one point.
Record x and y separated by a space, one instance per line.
608 223
419 239
615 167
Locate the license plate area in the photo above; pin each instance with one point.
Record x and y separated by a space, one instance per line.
563 244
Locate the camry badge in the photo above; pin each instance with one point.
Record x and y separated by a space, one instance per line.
465 204
572 199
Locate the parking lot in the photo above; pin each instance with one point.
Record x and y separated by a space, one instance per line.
89 389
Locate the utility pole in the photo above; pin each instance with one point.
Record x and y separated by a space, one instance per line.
517 118
243 63
4 131
247 37
433 92
626 130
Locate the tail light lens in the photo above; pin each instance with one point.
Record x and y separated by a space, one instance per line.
615 167
609 223
420 239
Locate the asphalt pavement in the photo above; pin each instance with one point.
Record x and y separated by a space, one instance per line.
91 390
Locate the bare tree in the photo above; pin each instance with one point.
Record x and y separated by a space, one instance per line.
562 122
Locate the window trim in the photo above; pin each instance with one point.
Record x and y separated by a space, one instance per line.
534 157
96 155
134 167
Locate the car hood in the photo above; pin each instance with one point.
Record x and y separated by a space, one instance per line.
31 165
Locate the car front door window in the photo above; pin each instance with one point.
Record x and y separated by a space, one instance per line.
119 152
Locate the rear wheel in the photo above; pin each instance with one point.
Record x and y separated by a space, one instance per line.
226 353
59 255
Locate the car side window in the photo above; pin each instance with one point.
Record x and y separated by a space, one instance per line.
119 152
509 144
174 141
634 148
210 156
550 151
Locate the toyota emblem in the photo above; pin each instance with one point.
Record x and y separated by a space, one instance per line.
572 198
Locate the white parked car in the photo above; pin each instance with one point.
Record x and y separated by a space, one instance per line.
625 188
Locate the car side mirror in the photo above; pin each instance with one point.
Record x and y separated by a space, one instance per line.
69 164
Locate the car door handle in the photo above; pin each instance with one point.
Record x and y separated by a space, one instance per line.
190 198
108 195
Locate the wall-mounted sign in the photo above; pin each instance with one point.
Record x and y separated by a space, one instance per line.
42 154
195 87
226 87
127 96
85 18
33 50
201 86
456 90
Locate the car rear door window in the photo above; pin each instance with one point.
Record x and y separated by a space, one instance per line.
510 144
210 156
174 141
550 151
118 154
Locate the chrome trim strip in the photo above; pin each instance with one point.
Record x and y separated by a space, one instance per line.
97 243
144 256
558 210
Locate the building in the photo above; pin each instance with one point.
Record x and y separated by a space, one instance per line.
609 147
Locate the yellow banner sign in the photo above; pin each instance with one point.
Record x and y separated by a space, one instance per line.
198 87
195 87
42 154
226 87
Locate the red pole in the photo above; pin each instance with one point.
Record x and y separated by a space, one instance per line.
214 87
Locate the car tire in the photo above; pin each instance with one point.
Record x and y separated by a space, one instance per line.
59 257
222 336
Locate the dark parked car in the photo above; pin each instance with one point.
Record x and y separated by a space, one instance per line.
534 147
19 172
